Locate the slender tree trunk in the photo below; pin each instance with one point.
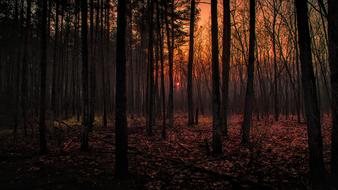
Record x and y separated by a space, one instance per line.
85 91
226 64
190 65
92 72
55 50
170 44
216 99
131 101
317 170
160 37
150 71
333 54
121 133
43 71
103 59
299 102
24 78
249 97
275 68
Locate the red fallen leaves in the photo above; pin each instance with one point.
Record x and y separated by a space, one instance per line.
277 156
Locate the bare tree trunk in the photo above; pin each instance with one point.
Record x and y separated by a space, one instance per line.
276 81
24 78
131 101
105 120
226 64
317 170
150 71
103 59
216 99
92 71
299 102
85 91
121 136
43 67
55 50
160 37
333 54
170 44
249 97
190 65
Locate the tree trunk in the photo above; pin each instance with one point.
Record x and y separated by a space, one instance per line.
55 50
190 65
121 133
249 97
103 59
333 54
160 37
150 71
170 44
24 78
226 64
317 170
275 68
216 99
85 98
43 67
92 72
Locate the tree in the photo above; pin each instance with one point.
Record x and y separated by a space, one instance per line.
160 37
24 78
121 134
249 97
92 66
333 59
216 99
43 71
170 44
85 98
273 36
226 64
317 170
151 92
55 49
190 65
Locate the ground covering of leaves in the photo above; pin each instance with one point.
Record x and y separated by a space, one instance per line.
276 159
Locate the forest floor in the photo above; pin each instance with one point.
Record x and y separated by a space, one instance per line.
276 159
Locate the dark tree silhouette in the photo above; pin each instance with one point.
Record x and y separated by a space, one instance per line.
85 93
190 65
121 136
160 35
24 78
216 99
317 170
170 44
226 63
43 71
92 66
55 50
151 91
333 58
249 97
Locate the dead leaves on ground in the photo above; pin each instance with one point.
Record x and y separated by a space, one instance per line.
277 156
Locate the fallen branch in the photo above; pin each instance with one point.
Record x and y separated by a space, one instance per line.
234 181
183 146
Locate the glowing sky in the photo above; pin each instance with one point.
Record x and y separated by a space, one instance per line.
205 13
